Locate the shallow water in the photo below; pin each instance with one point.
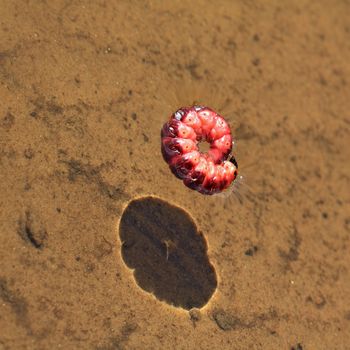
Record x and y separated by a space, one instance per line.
85 90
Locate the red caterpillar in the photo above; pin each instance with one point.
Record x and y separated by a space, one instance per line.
207 173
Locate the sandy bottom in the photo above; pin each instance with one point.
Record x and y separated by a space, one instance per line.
99 239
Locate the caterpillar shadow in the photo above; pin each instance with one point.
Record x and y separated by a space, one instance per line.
161 243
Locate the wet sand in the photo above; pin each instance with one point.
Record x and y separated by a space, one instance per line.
84 91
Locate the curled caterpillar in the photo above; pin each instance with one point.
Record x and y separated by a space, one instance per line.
207 173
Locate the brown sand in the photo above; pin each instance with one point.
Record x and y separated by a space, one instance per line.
84 90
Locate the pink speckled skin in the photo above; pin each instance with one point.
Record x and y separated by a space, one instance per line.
207 173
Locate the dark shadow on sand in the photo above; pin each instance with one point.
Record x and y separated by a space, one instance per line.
167 252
